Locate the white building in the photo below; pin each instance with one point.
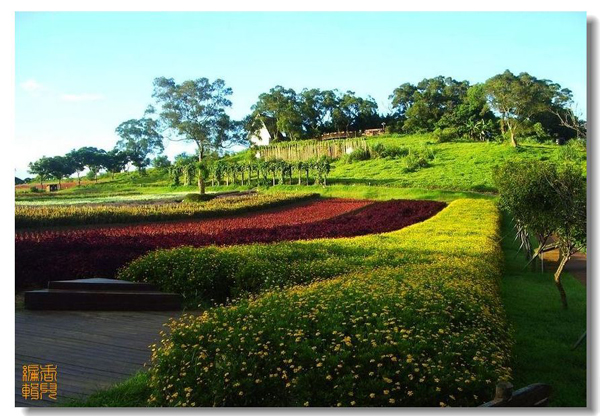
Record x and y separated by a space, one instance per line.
262 138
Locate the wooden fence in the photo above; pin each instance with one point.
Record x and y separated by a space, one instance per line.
351 134
534 395
304 150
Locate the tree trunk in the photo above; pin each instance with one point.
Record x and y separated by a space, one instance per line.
59 184
513 142
78 179
201 184
558 282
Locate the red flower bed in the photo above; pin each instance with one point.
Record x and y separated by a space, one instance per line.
99 252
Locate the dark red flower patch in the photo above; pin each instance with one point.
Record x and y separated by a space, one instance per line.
99 252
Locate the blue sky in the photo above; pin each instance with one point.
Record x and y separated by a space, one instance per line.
78 75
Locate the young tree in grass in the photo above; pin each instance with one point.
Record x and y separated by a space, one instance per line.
195 111
546 202
571 218
139 139
526 192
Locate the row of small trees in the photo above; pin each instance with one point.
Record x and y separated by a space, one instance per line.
76 161
250 172
548 204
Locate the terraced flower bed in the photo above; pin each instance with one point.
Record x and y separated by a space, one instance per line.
407 318
30 216
98 252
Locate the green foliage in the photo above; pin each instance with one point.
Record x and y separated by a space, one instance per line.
161 162
427 329
423 106
546 201
198 197
139 139
133 392
289 116
356 155
445 135
417 158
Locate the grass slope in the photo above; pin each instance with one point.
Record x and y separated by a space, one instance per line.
543 332
463 166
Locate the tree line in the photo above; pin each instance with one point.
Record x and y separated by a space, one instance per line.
195 111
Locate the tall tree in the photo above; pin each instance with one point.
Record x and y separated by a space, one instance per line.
431 100
60 167
94 159
517 99
279 110
472 117
139 139
115 161
41 168
78 159
195 111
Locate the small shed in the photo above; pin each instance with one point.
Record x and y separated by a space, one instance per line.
52 187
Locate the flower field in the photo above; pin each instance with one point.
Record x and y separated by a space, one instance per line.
28 216
100 251
407 318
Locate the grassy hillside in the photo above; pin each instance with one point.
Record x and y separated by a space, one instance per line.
457 167
465 166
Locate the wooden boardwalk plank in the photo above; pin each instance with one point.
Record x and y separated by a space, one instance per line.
93 350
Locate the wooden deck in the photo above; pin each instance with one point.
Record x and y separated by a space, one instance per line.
92 350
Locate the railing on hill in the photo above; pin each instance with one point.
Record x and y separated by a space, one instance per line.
534 395
351 134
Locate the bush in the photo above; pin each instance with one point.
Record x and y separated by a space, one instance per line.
357 155
393 152
445 135
418 158
194 197
35 189
427 328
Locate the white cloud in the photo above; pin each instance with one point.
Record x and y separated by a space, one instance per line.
76 98
32 86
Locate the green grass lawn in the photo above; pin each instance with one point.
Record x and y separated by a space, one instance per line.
544 333
464 166
380 192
